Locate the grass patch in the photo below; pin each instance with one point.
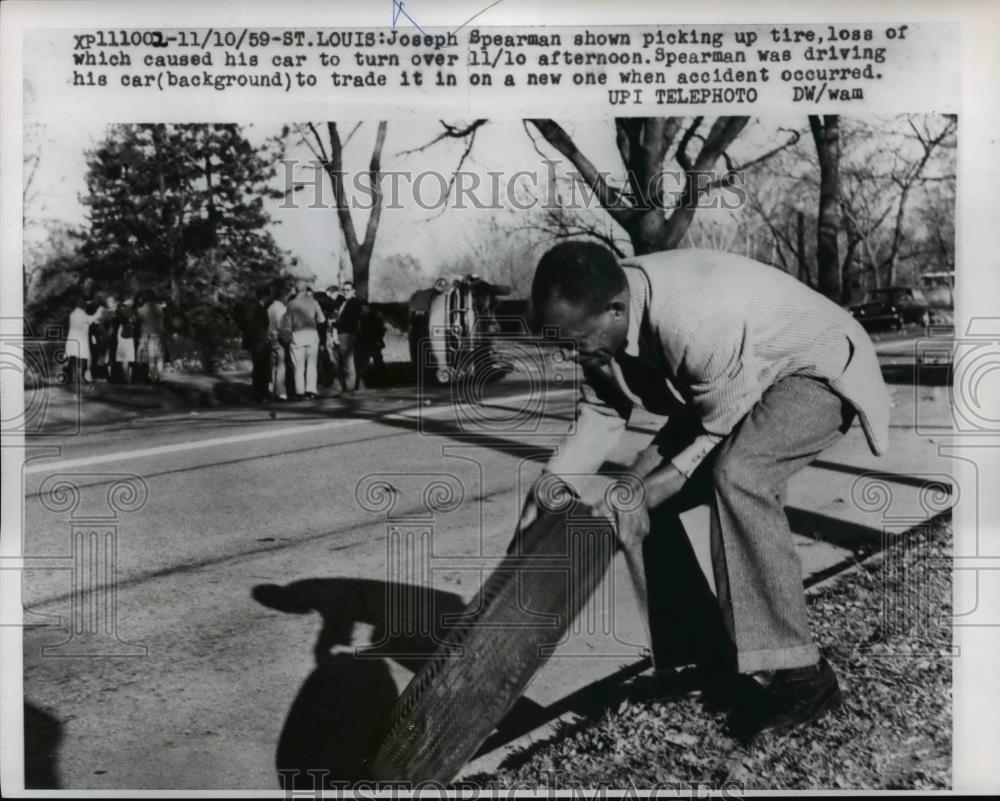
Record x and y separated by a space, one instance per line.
885 629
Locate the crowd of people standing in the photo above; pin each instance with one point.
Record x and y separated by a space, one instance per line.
303 339
117 340
298 340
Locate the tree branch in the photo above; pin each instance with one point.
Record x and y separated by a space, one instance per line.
449 132
682 155
334 166
319 143
611 199
374 176
732 170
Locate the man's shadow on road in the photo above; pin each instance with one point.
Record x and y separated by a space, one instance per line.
335 723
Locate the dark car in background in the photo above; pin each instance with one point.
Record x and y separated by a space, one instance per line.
892 307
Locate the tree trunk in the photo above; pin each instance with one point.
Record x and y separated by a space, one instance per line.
643 143
826 135
800 248
360 251
174 255
649 232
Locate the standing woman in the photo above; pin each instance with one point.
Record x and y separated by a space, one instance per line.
78 340
150 348
279 343
124 325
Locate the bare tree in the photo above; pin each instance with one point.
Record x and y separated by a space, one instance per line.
465 133
562 220
826 135
934 248
639 203
502 254
34 146
396 277
883 185
329 152
777 195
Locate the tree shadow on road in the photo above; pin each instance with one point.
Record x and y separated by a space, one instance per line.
335 722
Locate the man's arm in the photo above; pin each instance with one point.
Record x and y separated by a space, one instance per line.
716 366
597 430
719 390
720 387
602 413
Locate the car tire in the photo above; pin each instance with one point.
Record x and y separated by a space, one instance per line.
486 661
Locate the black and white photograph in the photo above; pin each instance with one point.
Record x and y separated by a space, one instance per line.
444 446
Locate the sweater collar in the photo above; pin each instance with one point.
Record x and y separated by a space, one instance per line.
638 296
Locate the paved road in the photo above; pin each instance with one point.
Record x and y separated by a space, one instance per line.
262 541
238 499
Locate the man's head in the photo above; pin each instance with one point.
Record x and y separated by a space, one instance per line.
302 286
581 290
348 289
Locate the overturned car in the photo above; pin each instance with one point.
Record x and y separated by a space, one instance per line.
452 327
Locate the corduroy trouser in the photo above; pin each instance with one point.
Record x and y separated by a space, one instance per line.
759 610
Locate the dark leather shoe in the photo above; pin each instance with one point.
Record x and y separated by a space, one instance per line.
791 698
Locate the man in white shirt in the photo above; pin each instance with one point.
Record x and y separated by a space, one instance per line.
275 314
302 319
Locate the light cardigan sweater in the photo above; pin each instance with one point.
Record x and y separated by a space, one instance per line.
718 330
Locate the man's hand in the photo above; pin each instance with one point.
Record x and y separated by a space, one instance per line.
548 493
640 489
624 504
632 526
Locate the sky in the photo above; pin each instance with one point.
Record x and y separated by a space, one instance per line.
312 235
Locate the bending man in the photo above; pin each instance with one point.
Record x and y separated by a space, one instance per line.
758 374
